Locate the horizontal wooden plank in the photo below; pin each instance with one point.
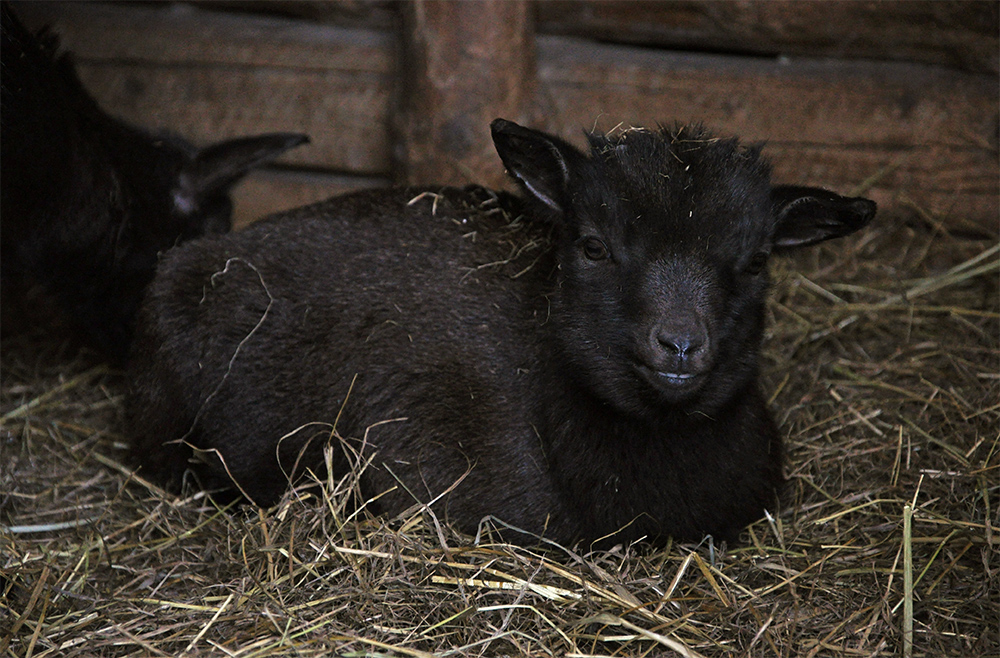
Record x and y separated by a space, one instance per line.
344 115
813 101
378 14
961 34
171 33
957 188
272 190
826 122
955 34
210 76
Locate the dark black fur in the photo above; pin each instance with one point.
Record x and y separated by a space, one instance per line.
589 368
88 201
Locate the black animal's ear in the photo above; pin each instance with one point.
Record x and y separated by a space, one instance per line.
539 162
217 167
807 215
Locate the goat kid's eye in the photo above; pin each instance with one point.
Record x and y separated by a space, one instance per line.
757 263
595 249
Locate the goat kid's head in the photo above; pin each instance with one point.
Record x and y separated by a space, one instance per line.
664 238
180 191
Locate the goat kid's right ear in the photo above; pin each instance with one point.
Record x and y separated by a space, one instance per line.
807 215
217 167
539 162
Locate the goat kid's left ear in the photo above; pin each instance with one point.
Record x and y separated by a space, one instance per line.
807 215
217 167
541 163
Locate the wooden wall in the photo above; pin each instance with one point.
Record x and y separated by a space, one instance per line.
899 96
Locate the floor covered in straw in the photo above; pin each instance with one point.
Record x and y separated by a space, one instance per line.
883 361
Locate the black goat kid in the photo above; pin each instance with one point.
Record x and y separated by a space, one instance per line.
581 365
88 201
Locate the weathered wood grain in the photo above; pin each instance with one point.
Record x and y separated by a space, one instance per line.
960 34
176 33
826 122
211 76
811 101
464 63
344 114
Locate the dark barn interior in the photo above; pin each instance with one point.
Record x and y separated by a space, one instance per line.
882 358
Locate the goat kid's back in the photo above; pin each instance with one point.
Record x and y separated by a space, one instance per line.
578 364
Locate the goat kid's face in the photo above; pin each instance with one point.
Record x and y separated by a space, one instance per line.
664 238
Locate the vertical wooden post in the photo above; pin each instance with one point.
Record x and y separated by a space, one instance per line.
464 64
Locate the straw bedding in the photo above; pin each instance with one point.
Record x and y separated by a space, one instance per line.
883 361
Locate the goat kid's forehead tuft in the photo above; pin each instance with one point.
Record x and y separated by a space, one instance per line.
684 166
683 143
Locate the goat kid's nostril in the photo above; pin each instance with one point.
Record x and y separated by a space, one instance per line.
679 345
681 342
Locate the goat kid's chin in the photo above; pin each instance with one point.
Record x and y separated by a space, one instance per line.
643 392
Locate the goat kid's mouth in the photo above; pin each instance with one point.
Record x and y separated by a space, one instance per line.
673 381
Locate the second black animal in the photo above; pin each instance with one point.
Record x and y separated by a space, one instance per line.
89 201
582 365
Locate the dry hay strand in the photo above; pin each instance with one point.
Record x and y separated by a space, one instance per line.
883 362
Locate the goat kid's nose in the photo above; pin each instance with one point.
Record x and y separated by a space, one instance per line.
680 339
